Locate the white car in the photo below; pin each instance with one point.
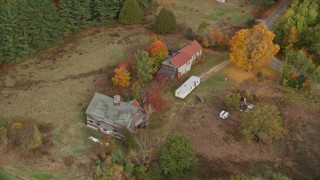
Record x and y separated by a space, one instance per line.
224 114
96 140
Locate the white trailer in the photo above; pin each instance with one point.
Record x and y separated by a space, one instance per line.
187 87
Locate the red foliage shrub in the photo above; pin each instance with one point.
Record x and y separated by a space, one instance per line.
156 101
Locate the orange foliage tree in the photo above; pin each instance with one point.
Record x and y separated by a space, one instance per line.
253 47
218 38
158 51
121 77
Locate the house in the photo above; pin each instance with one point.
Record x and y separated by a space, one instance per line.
180 62
110 115
187 87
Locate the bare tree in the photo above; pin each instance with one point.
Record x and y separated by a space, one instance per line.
143 153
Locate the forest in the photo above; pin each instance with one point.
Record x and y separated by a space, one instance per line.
28 26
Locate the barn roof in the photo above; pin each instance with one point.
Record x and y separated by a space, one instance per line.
103 107
185 54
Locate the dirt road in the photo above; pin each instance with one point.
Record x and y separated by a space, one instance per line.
214 69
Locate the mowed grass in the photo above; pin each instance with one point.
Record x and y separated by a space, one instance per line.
222 15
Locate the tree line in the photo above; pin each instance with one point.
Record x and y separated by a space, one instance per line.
299 28
30 25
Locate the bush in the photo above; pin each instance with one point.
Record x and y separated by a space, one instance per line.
260 75
190 34
250 22
296 82
24 134
129 168
233 101
165 22
118 157
127 97
130 13
154 172
136 90
128 138
141 172
177 156
36 140
263 123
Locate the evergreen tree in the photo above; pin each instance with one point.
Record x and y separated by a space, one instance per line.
131 12
165 22
75 14
105 9
13 45
41 23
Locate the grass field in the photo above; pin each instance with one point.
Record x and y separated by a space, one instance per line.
191 13
57 85
56 88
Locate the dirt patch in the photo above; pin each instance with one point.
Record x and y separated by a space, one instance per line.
219 144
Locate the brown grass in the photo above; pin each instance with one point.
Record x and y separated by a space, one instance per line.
223 151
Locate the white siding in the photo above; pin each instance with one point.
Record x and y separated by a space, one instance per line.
185 68
187 87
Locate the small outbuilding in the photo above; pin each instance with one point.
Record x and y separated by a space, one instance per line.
187 87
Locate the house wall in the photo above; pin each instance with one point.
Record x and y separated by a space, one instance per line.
187 66
101 125
112 129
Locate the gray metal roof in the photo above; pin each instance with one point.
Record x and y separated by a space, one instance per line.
102 106
188 84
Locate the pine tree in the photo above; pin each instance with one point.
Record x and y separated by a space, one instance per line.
165 22
41 22
131 12
105 9
13 45
75 14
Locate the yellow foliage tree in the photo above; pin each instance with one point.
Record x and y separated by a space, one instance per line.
292 39
253 47
121 77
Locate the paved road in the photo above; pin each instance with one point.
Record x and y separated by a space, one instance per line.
281 8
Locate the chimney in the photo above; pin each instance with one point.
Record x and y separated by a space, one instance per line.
116 100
